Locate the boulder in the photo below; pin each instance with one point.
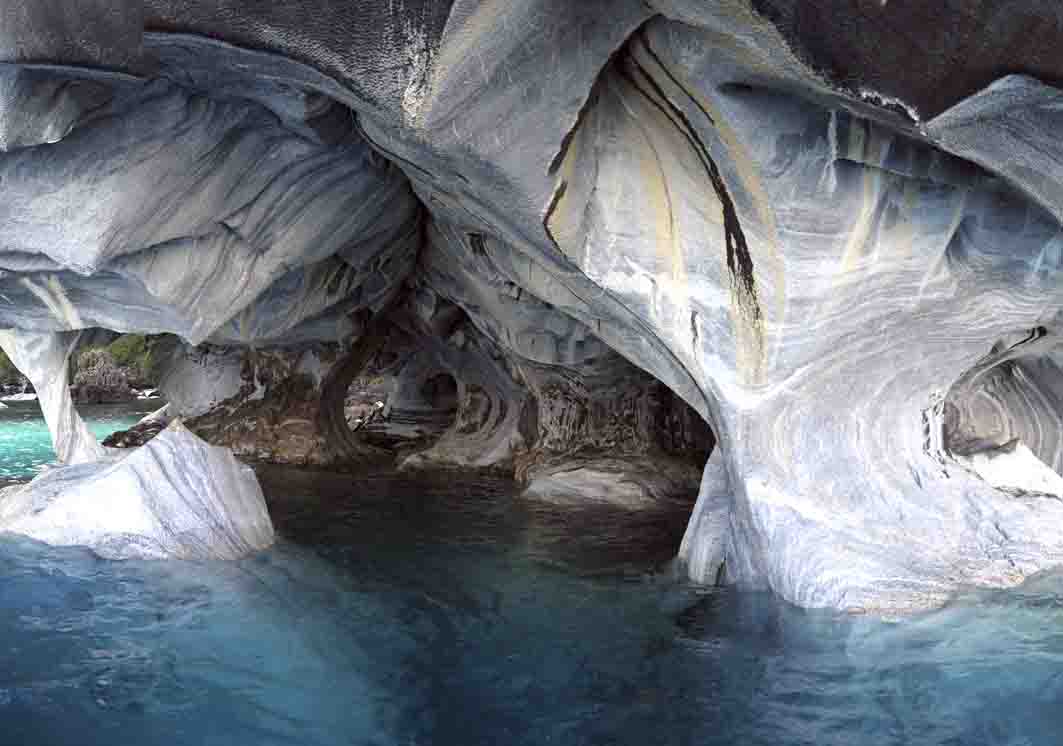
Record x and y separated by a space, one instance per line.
176 497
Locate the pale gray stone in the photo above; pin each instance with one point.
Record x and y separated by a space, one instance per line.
44 360
197 379
859 289
175 497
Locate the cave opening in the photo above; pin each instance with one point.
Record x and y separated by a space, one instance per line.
381 322
441 391
1003 419
605 459
400 414
457 294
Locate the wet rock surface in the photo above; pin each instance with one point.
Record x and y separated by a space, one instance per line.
177 497
836 245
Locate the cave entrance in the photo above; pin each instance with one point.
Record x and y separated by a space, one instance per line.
1003 419
441 392
400 405
618 468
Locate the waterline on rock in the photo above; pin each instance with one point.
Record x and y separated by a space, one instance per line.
26 446
401 610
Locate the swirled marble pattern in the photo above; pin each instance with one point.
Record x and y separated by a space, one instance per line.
823 253
176 497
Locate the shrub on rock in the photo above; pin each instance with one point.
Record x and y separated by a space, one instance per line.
99 379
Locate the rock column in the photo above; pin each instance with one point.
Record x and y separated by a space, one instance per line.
44 359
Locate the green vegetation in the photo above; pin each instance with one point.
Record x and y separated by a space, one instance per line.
8 372
96 367
110 373
134 354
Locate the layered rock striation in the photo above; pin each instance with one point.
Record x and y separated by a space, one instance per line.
597 229
175 498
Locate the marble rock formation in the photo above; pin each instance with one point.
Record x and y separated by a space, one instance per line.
838 245
44 359
177 497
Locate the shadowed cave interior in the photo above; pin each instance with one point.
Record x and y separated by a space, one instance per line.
1003 417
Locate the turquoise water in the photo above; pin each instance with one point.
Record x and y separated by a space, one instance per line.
396 611
25 445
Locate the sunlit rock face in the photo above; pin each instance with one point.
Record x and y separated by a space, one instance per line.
841 250
196 379
176 497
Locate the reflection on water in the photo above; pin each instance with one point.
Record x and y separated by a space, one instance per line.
26 446
443 611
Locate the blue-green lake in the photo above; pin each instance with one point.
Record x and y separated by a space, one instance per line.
25 445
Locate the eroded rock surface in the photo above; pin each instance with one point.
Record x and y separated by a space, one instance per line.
841 250
44 359
177 497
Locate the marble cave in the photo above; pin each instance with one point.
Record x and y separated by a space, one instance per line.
801 261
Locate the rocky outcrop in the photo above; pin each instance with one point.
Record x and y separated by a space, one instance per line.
176 497
840 250
262 405
99 380
274 416
147 428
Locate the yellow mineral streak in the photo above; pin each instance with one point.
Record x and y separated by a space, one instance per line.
750 343
463 32
558 224
865 146
654 181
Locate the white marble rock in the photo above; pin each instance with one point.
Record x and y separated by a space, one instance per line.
176 497
815 269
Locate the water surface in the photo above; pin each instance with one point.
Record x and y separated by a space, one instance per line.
441 611
26 446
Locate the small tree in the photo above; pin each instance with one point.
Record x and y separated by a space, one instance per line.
141 358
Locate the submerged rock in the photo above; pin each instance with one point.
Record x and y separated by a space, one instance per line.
177 497
629 483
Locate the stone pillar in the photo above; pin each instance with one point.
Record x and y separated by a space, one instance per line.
43 357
